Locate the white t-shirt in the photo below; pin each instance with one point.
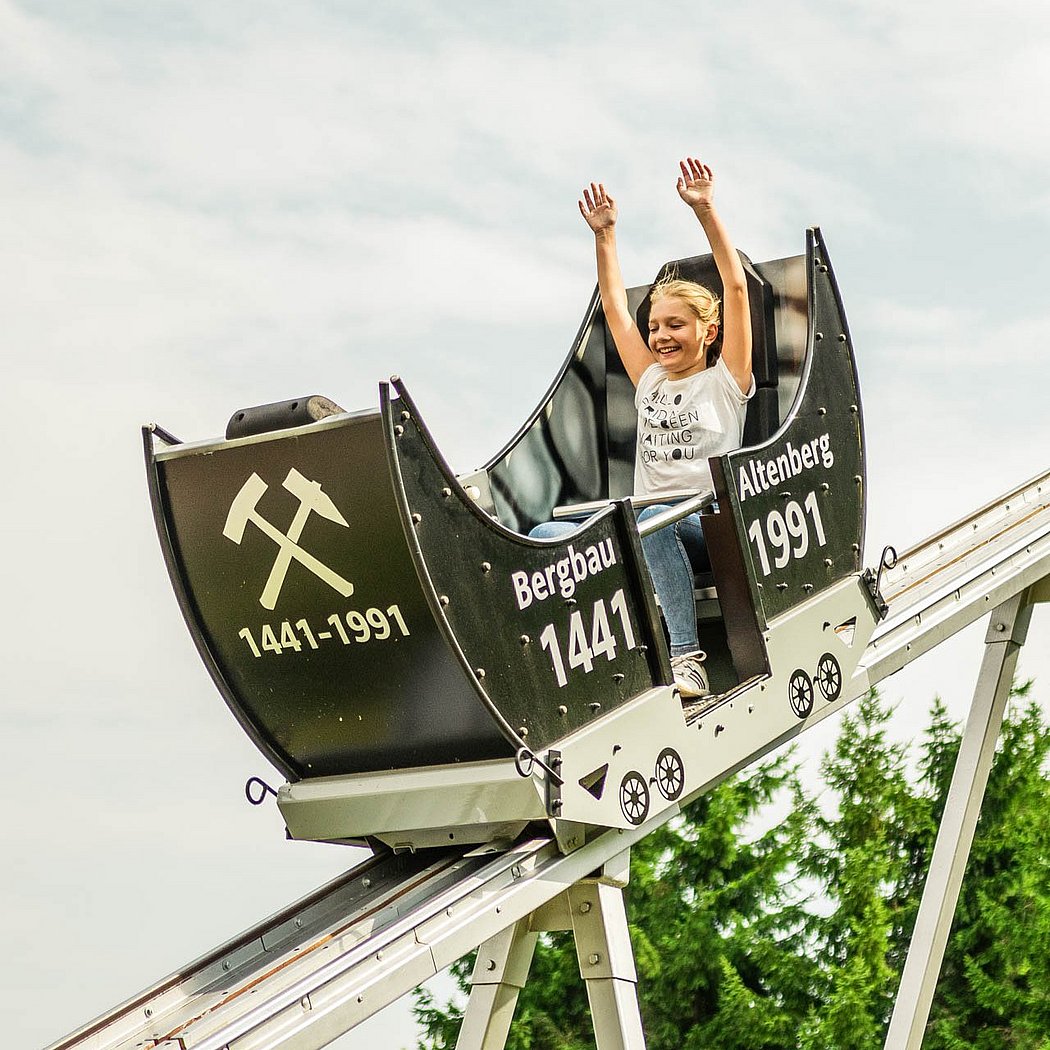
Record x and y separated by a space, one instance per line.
681 423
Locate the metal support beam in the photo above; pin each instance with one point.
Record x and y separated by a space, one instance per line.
500 972
1007 630
593 909
603 947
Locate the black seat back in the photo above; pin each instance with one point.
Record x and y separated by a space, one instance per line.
579 443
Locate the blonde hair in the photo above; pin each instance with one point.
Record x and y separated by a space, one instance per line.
701 301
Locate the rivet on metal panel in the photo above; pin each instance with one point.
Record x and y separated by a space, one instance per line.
148 1012
595 706
406 415
398 430
782 586
446 492
448 912
853 409
594 958
479 671
719 729
523 731
822 411
807 587
585 907
525 639
562 710
856 548
823 269
857 478
828 562
305 1002
366 882
842 337
516 871
395 379
819 336
618 677
1000 627
486 566
443 599
225 964
417 518
298 923
490 965
556 806
825 487
379 956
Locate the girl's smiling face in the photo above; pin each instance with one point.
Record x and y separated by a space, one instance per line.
678 338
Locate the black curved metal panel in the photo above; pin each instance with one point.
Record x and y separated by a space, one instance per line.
797 500
300 590
555 633
561 454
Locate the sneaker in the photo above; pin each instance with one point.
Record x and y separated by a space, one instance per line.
689 674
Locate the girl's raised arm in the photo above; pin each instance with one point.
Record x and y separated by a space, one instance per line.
599 212
696 188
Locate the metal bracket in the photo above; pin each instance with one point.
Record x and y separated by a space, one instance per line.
553 783
873 581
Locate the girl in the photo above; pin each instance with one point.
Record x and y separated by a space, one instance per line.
691 398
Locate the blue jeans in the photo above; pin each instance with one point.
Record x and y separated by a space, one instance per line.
673 555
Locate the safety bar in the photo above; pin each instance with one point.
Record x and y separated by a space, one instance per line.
676 513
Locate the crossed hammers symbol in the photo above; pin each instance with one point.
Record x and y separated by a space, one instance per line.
244 509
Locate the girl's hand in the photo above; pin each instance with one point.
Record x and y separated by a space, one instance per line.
696 184
598 208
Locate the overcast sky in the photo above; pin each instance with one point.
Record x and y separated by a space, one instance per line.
208 206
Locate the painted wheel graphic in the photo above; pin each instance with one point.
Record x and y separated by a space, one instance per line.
634 797
829 677
670 773
800 693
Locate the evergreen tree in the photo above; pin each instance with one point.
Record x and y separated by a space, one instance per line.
731 954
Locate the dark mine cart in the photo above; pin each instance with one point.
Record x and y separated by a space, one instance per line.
422 673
